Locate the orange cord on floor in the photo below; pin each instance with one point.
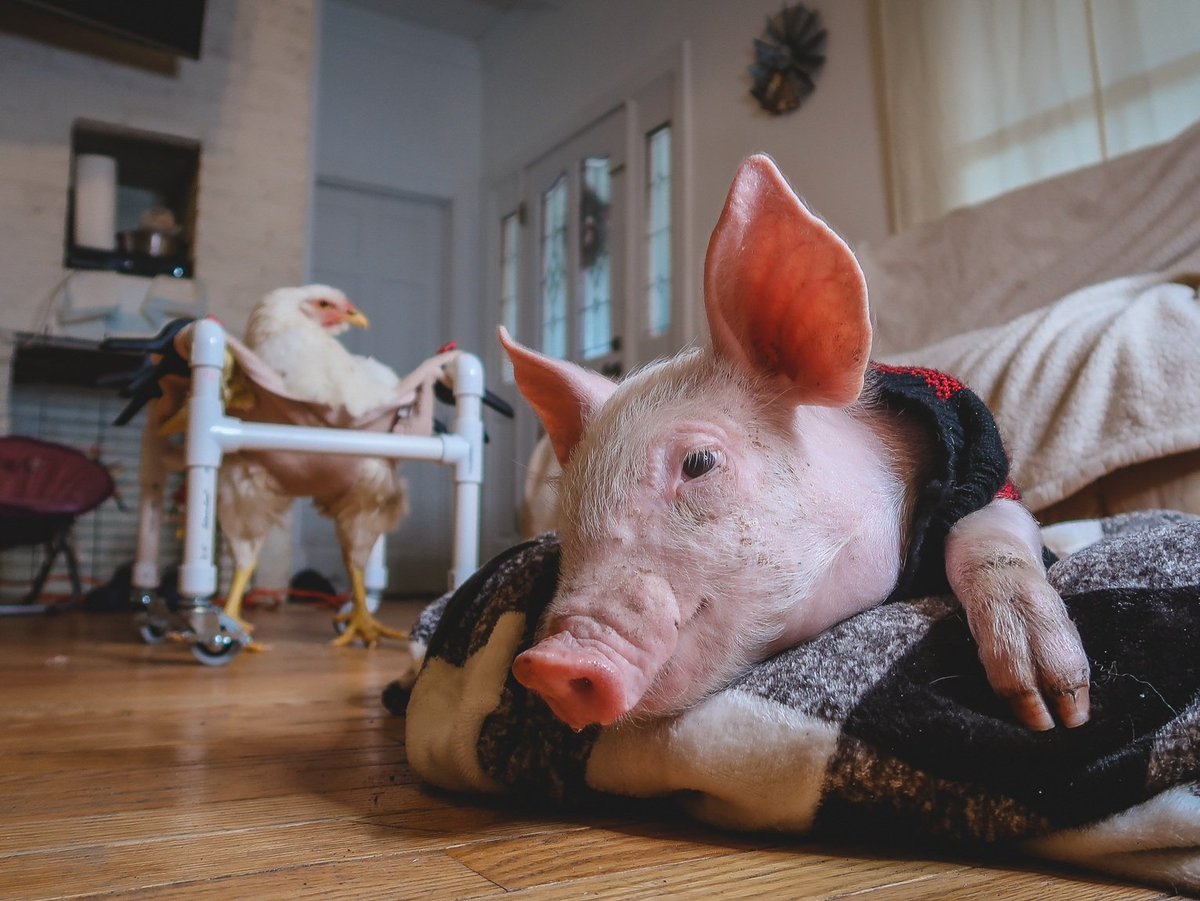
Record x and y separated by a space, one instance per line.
274 597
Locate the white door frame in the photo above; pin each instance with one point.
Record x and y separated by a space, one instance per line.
661 92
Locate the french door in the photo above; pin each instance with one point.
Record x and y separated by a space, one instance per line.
575 255
585 264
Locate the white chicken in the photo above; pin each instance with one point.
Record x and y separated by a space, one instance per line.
293 330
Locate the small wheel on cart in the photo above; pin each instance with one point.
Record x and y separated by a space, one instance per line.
152 632
219 649
153 617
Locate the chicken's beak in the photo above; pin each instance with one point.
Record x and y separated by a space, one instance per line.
357 319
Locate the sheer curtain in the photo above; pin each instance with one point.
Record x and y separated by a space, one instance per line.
983 96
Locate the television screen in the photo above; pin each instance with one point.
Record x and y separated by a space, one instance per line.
175 26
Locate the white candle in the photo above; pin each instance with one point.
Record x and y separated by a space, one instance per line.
95 201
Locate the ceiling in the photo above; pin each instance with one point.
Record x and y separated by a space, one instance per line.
467 18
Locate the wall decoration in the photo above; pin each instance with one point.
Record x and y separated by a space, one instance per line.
788 58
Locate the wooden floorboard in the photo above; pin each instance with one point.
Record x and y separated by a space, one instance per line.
129 771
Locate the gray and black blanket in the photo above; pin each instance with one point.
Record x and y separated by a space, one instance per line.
882 728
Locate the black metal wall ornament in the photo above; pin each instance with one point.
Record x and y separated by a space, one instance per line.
788 58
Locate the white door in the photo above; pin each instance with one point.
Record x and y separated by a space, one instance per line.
389 253
586 264
568 273
574 198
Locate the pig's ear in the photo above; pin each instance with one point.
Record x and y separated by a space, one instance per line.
784 294
564 396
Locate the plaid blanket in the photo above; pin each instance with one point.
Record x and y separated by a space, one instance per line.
883 728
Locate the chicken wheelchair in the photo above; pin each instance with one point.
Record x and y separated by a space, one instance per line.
196 372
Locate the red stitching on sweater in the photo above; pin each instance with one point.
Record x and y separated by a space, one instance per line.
944 386
1009 492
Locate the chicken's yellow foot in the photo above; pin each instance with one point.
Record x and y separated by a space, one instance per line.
237 591
360 623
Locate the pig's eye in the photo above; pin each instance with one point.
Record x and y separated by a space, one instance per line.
698 462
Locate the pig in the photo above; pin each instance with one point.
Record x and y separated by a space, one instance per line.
728 503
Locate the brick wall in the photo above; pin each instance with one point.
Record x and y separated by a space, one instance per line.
248 101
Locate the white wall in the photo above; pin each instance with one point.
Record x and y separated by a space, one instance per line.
247 101
542 69
400 108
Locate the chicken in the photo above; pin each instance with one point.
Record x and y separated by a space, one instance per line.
293 330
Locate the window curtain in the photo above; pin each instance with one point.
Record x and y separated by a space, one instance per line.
983 96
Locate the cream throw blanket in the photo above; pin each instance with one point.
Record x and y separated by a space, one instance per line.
1106 377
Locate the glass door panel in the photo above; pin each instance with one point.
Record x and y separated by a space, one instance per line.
574 195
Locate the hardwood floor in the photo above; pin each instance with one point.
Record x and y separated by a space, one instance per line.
129 771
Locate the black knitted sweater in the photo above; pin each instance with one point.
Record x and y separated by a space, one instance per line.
968 470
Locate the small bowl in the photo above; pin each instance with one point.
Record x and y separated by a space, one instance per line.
149 242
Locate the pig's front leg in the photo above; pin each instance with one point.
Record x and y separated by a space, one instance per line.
1028 645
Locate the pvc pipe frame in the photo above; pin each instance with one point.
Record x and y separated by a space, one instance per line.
211 434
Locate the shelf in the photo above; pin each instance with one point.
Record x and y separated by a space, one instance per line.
44 360
127 263
153 170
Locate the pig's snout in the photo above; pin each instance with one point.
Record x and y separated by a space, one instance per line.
578 681
602 655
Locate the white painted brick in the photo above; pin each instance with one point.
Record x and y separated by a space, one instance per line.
247 101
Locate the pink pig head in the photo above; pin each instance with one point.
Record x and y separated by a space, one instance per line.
728 502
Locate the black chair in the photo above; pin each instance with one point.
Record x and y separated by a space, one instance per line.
44 488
